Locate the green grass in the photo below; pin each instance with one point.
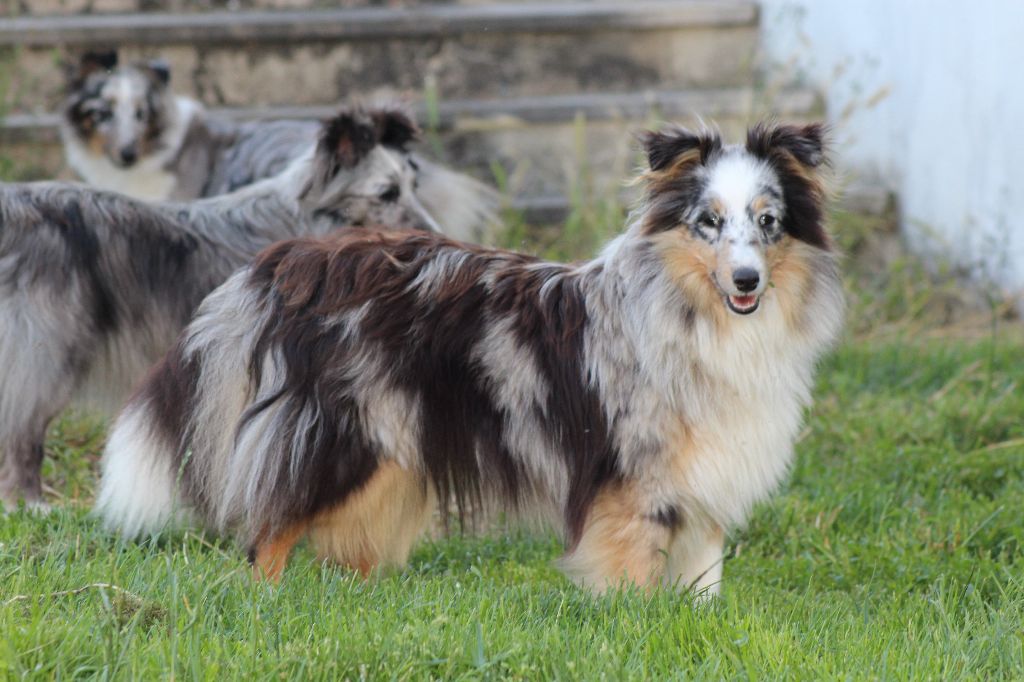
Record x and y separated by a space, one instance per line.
894 552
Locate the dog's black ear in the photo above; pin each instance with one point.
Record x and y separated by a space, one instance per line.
347 138
796 153
89 63
806 143
664 147
98 59
158 70
394 128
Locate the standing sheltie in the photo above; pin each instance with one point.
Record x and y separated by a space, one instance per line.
124 129
94 286
644 400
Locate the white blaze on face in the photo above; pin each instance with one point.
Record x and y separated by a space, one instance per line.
126 95
736 186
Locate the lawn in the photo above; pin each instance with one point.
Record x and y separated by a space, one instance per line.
895 551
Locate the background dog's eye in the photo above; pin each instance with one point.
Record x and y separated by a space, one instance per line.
709 220
140 114
766 220
103 115
390 194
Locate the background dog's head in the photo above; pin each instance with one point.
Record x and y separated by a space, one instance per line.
724 217
362 173
118 111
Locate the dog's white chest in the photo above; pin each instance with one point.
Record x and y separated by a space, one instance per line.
757 388
147 180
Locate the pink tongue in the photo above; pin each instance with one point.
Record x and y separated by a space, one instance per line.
743 301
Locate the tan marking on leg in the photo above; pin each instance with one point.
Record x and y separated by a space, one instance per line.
621 544
272 555
378 524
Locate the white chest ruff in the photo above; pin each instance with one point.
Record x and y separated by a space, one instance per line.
147 180
757 384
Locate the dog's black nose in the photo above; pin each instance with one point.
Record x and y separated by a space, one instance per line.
129 155
746 279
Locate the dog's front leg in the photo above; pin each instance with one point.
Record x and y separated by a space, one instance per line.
621 543
695 558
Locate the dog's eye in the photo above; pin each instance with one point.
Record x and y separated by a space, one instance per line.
140 115
412 164
766 220
708 219
390 194
103 115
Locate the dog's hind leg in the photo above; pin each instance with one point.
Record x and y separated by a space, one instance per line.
20 476
44 349
24 437
378 524
270 556
621 543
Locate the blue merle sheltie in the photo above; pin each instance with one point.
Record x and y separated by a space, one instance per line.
643 401
124 129
94 286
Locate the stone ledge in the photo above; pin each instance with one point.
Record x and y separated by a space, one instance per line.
510 112
866 199
373 23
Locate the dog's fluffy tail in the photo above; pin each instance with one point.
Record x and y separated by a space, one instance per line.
172 439
175 454
466 208
137 492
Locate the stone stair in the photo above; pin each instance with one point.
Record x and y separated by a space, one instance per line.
547 91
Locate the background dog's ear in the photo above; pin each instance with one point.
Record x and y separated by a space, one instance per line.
394 128
97 60
806 143
347 139
665 146
158 70
89 63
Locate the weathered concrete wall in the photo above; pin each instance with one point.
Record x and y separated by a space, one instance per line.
70 7
492 51
458 67
552 92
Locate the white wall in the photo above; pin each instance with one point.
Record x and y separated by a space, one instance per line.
949 135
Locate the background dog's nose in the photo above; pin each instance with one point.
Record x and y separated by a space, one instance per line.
746 279
128 154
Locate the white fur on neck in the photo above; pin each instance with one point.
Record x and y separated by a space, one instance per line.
148 179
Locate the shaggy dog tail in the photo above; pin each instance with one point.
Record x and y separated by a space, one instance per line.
175 454
147 482
137 494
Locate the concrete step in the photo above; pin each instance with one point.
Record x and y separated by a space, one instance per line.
361 23
536 147
473 114
454 51
86 7
545 150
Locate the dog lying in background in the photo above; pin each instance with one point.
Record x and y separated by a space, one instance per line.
645 400
95 286
124 130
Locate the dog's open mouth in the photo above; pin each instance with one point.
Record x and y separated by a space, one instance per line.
743 305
